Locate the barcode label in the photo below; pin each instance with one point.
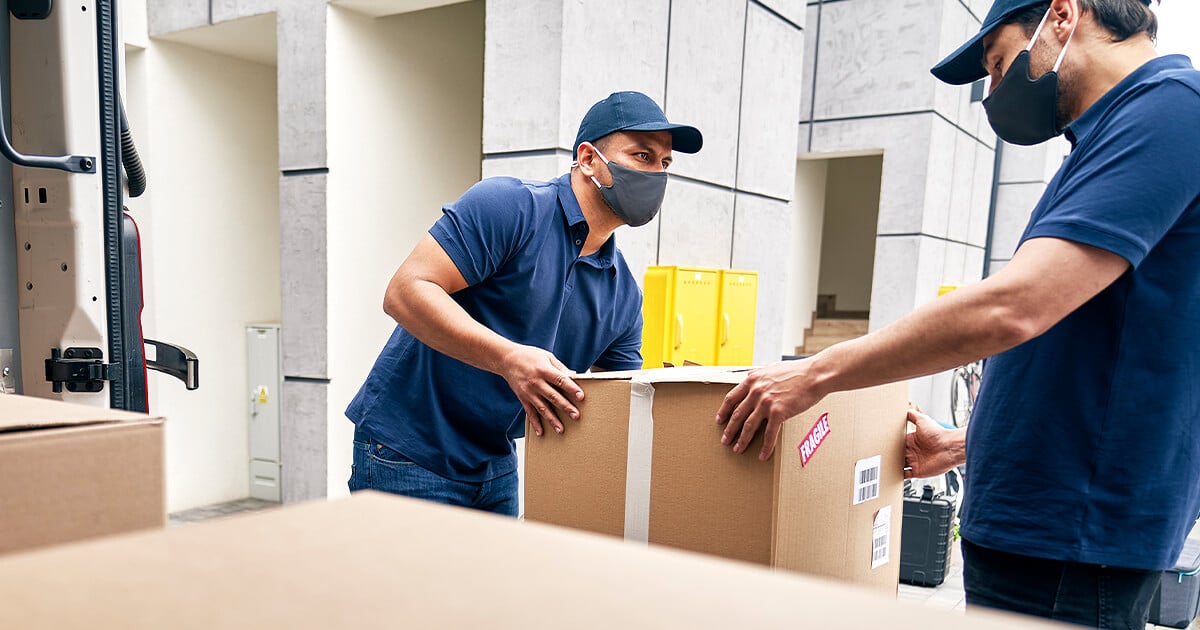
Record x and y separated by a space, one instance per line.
881 537
866 479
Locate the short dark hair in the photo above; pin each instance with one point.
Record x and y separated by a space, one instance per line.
1122 18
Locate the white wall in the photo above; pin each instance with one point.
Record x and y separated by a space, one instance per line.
851 216
804 256
405 96
205 126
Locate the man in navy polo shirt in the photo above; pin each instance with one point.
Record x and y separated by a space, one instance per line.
1084 448
518 285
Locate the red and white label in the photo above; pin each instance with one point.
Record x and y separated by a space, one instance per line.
816 436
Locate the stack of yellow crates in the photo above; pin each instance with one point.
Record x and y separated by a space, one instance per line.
700 315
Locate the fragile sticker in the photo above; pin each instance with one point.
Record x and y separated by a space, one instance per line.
816 436
866 479
881 537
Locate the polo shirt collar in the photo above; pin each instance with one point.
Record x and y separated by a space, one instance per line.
577 223
1086 122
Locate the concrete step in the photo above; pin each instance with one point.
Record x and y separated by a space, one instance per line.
817 343
840 327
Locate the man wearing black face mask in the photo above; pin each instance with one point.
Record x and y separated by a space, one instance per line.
518 285
1082 452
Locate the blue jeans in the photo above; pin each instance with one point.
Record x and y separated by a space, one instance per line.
1083 594
378 467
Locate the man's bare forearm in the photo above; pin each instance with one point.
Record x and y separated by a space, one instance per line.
432 316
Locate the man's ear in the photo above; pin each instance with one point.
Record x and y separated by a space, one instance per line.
1064 18
586 157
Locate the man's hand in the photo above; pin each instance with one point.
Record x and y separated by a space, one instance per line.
932 449
769 396
542 384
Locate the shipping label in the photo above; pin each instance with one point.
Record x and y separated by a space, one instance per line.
866 479
881 537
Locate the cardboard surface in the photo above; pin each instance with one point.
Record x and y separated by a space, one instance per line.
704 497
70 472
381 561
797 511
819 528
585 463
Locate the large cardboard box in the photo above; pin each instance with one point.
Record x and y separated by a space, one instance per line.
380 561
645 463
69 472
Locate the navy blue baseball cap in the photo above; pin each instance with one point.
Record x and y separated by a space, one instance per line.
965 65
634 111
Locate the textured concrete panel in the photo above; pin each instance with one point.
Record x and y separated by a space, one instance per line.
697 225
979 8
223 10
304 275
905 142
893 290
972 270
522 76
874 57
1014 204
954 101
770 101
304 441
792 10
167 16
981 196
1022 165
967 158
953 265
704 78
932 257
608 47
764 229
940 181
809 65
301 71
535 167
1038 163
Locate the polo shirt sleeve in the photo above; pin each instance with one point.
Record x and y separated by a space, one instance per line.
626 352
1136 179
483 228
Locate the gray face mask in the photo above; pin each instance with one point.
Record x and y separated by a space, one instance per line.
635 196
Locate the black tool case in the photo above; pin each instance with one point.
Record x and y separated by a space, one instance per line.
926 537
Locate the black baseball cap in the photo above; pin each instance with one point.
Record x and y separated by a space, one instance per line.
965 65
634 111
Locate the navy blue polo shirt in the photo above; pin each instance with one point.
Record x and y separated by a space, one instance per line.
1085 442
517 245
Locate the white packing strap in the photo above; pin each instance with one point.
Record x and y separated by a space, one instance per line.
637 466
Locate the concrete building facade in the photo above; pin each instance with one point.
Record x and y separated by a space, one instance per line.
832 159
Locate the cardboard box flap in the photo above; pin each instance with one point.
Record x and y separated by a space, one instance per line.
694 374
617 375
23 413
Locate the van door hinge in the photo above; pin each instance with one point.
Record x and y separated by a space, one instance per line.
81 369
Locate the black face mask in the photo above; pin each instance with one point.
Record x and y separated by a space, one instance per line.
1023 110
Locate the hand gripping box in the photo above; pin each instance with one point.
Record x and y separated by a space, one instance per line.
645 463
70 472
